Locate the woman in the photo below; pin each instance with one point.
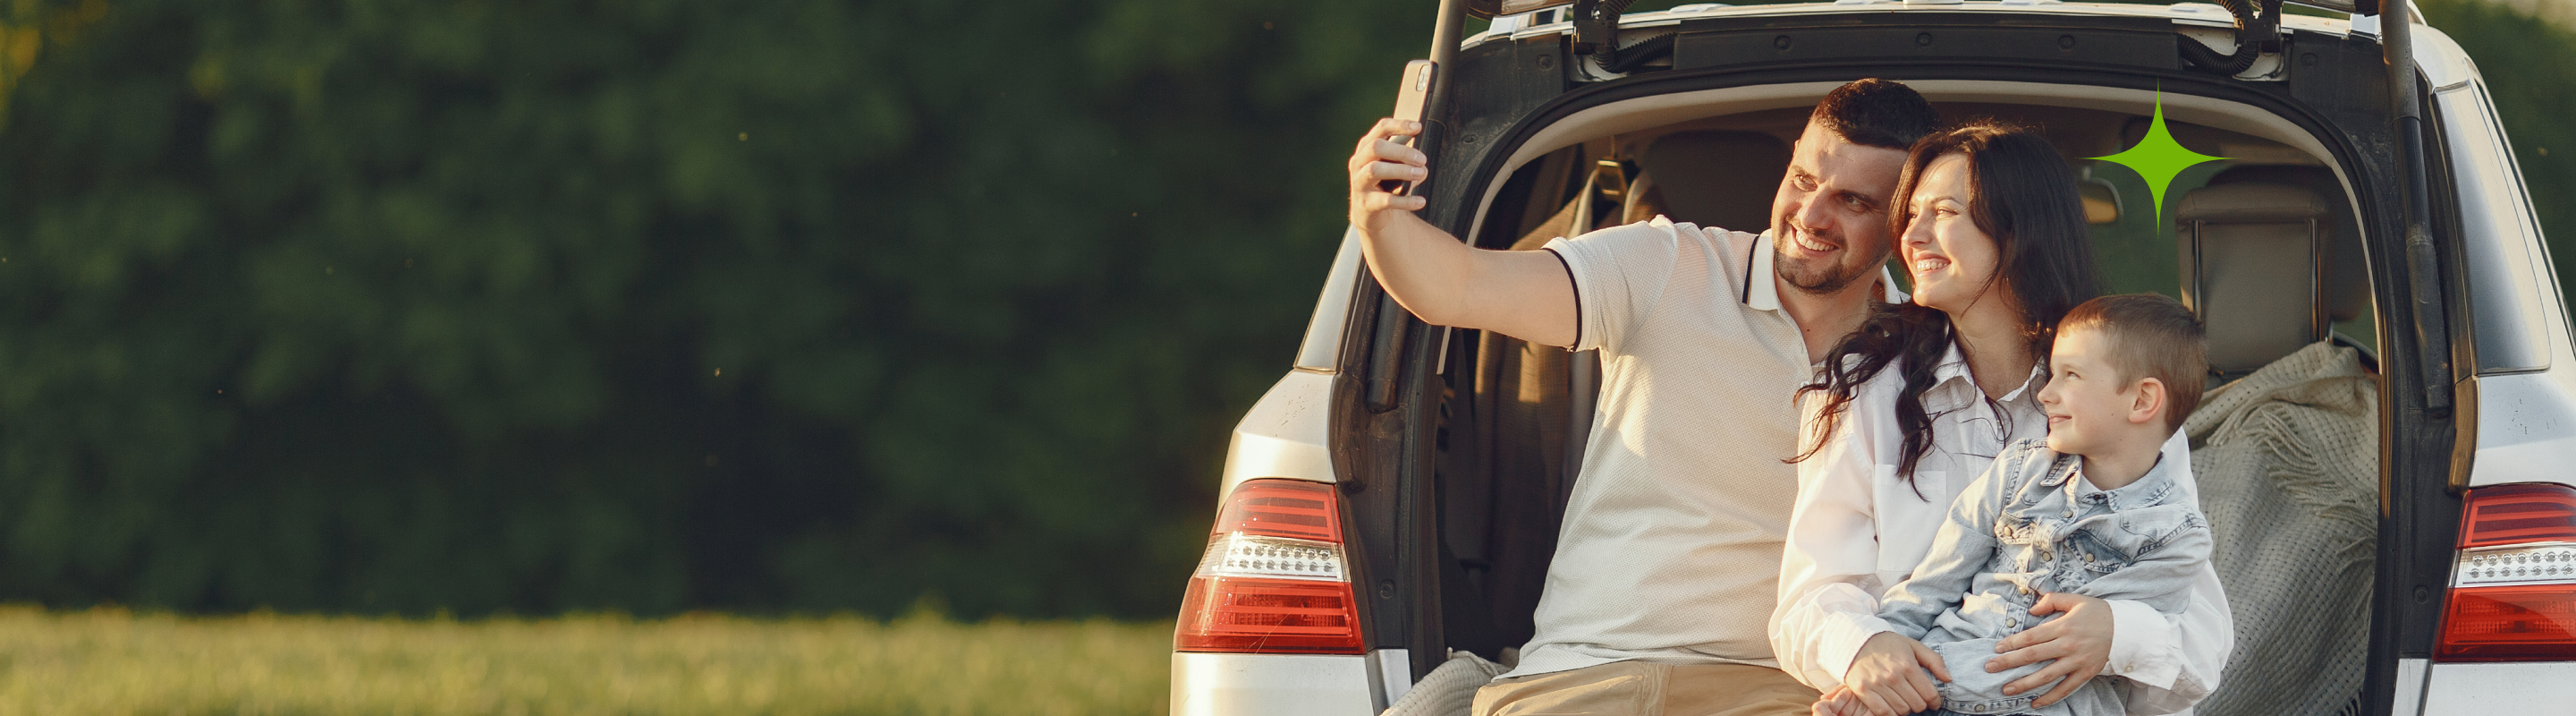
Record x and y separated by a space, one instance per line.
1912 407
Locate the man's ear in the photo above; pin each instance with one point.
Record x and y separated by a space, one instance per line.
2149 403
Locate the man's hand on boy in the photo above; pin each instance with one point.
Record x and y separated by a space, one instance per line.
1888 677
2079 642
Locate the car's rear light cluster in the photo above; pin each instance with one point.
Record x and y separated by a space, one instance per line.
1274 579
2513 593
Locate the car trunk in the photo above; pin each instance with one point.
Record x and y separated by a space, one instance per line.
1459 448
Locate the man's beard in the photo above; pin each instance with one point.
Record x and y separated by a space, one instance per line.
1813 279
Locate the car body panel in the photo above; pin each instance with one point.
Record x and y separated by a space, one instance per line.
2526 405
1270 685
2444 64
2491 689
2409 696
1392 672
1284 435
2526 428
1322 349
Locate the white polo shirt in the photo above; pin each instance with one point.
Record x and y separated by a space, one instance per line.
1670 550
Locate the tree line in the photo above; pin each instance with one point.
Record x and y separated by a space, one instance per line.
794 306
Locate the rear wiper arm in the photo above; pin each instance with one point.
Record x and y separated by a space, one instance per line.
2257 32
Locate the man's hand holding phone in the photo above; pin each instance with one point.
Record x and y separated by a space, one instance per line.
1386 166
1444 281
1383 163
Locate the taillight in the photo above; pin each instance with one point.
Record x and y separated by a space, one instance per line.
1273 580
2513 593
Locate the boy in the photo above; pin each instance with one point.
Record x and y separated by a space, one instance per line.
2091 510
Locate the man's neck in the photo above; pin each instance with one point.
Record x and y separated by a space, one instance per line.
1823 319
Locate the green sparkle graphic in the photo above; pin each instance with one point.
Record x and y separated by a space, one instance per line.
2158 158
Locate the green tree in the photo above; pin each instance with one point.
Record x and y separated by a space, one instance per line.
400 305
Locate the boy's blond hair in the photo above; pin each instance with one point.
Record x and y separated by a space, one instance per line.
2150 336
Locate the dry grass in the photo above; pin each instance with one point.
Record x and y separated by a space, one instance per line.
115 662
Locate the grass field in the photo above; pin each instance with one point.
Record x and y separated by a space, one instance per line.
115 662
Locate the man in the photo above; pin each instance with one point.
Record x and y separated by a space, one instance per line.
1660 593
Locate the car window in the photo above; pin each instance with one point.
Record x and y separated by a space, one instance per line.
2499 238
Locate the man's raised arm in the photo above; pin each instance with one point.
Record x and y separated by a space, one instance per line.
1523 294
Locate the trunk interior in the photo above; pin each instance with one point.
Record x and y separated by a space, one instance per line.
2265 246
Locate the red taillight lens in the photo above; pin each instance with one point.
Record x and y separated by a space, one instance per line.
1282 508
1268 616
1273 580
2510 624
2513 592
2516 514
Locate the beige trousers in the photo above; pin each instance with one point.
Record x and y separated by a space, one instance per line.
1630 688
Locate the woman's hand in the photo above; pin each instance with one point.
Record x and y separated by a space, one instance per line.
1838 702
2080 642
1888 676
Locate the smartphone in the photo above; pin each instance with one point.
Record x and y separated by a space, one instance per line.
1409 98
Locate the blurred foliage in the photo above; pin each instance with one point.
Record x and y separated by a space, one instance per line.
116 663
797 306
804 305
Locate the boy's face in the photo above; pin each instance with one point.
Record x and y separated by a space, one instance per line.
2089 407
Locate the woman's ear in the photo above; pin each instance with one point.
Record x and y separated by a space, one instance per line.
2148 404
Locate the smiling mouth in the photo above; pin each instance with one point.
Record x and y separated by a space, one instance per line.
1800 237
1930 264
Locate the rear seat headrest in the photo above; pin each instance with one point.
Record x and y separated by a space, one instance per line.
2250 256
2251 203
2348 284
1717 178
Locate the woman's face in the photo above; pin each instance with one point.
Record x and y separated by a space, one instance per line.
1950 259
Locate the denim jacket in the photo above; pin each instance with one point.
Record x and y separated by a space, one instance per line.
2028 527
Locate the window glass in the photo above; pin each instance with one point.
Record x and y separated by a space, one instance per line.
2498 238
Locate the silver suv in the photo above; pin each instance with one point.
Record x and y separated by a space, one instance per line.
1395 498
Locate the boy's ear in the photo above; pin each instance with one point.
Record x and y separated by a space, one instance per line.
2148 402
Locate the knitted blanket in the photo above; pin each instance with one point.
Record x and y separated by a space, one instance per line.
2288 464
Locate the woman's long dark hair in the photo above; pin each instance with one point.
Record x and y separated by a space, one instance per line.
2021 194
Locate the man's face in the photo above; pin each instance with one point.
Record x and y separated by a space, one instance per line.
1829 221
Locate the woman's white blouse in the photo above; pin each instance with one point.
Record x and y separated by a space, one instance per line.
1857 530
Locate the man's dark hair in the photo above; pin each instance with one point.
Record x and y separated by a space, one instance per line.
1877 113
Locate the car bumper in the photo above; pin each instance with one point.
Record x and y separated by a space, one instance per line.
1269 685
2493 689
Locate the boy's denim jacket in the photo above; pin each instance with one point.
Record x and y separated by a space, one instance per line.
2025 528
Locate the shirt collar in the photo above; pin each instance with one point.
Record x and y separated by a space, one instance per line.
2149 490
1762 287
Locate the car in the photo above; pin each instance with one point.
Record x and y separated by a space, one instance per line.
1393 500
